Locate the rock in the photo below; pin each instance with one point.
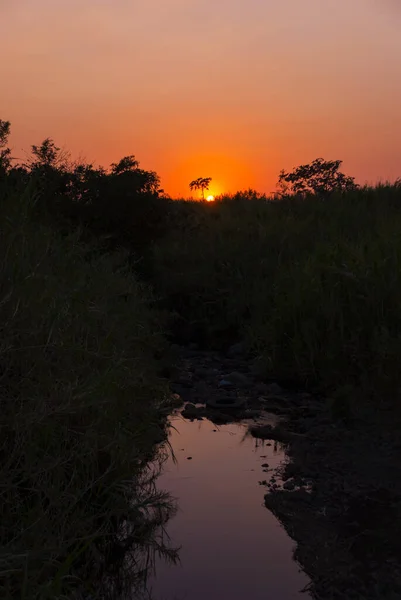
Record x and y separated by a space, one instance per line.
236 350
262 388
226 402
205 373
276 408
193 412
201 390
185 382
251 414
189 457
274 389
176 400
193 346
257 369
291 470
224 383
289 486
219 418
238 379
267 432
265 465
263 432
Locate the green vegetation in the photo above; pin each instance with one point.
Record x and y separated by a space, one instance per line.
309 279
312 284
81 409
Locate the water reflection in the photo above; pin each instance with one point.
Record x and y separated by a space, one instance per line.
129 558
231 545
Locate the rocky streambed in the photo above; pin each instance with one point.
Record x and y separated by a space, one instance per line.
334 484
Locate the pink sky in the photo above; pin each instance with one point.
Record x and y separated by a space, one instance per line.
232 89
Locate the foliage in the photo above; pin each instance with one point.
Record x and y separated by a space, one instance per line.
80 411
120 207
202 183
47 155
313 286
5 152
320 177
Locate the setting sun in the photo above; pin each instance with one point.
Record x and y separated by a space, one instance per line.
210 199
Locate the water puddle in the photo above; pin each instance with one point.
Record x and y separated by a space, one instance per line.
231 545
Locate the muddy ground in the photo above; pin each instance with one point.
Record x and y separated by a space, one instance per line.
339 495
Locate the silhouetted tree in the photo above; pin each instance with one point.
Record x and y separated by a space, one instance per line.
48 155
125 165
320 177
5 152
119 207
202 183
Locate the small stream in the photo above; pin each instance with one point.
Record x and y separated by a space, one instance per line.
231 545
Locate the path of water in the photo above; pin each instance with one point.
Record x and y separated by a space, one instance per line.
232 547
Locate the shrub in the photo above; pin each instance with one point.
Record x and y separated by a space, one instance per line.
80 408
313 285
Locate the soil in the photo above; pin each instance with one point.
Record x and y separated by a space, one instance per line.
339 494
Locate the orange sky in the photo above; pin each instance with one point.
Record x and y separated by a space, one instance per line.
231 89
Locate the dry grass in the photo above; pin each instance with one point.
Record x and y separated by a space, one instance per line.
80 408
313 285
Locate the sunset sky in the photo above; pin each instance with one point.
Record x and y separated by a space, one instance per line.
231 89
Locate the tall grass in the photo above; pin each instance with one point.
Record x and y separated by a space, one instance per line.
313 285
80 410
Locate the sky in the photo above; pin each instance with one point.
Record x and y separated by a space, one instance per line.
235 90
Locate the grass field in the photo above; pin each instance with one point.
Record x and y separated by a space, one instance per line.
312 285
81 409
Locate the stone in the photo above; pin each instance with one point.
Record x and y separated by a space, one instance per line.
291 470
193 412
262 388
251 414
219 418
274 389
265 465
236 350
201 390
289 486
224 383
176 400
185 382
204 373
238 379
225 402
263 432
267 432
257 369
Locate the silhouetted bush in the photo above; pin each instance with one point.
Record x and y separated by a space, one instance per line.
313 286
81 409
123 207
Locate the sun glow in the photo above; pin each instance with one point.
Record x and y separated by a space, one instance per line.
210 199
